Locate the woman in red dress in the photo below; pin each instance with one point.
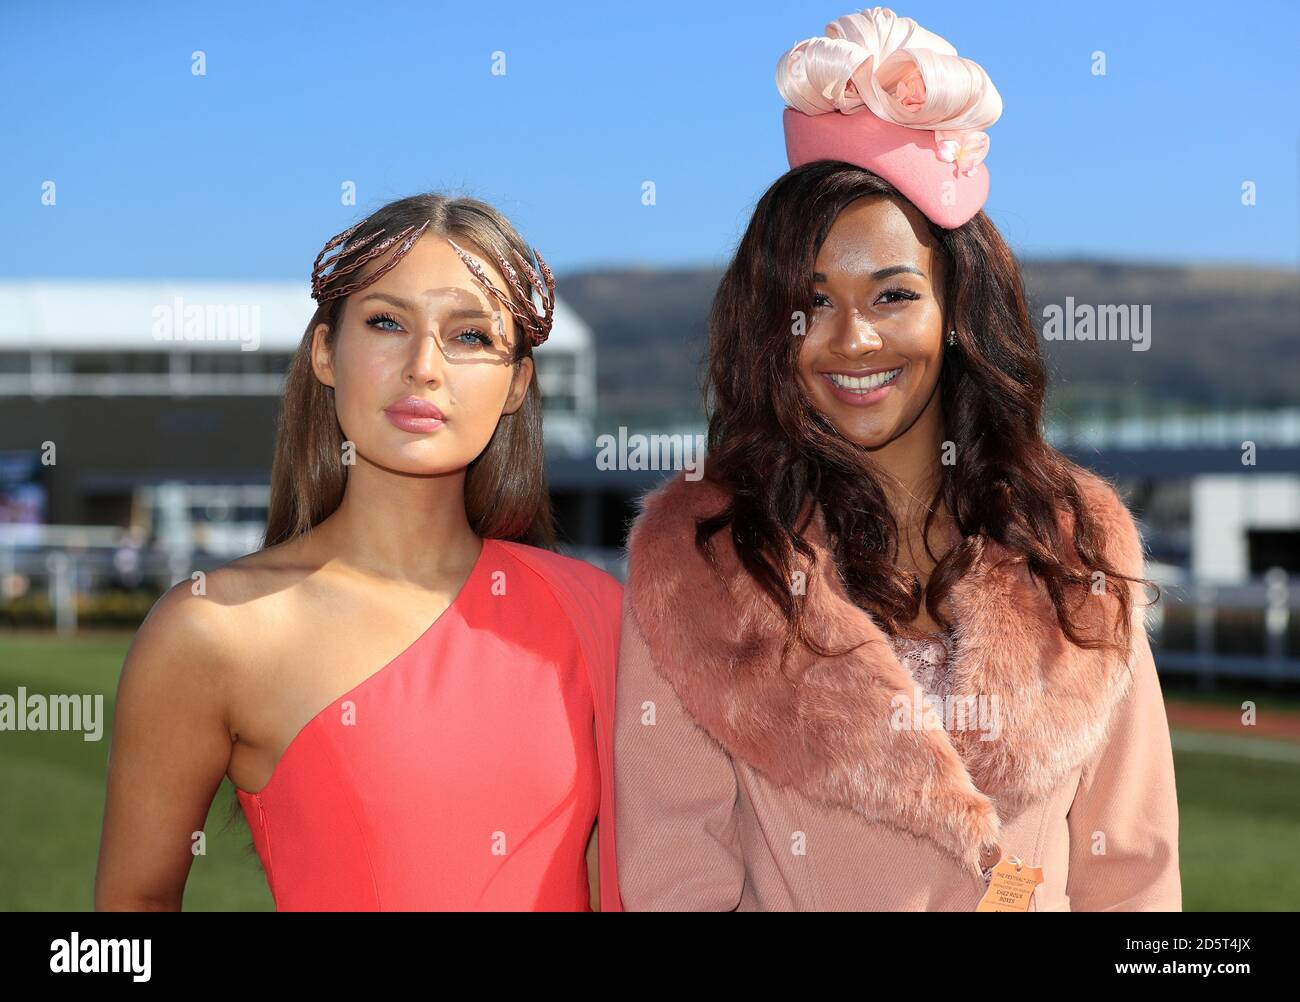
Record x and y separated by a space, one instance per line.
463 769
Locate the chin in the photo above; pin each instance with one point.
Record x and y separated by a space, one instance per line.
868 434
411 458
867 438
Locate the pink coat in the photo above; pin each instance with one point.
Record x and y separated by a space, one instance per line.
736 789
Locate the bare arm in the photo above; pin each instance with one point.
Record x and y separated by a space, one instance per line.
593 867
170 748
593 852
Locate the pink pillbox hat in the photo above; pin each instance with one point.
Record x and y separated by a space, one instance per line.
881 92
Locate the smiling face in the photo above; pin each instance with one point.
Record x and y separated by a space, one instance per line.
871 354
421 363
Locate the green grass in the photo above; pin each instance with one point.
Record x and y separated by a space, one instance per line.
52 786
1239 824
1239 816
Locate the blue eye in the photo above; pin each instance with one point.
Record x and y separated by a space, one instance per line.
474 335
372 322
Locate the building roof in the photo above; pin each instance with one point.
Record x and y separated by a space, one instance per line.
120 314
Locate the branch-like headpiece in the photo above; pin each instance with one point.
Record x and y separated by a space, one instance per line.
535 324
320 281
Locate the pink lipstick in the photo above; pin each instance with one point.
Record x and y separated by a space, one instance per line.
415 415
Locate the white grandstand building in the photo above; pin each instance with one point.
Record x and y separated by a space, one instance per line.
159 400
117 338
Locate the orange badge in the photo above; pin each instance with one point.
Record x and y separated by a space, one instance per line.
1011 885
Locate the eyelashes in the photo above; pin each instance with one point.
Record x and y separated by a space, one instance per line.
378 318
901 292
373 321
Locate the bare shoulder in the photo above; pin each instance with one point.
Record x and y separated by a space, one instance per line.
202 613
196 638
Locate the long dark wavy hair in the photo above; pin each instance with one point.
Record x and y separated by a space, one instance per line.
772 451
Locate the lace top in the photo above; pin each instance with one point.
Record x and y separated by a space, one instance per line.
929 659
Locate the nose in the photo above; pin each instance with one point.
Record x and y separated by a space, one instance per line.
855 338
426 361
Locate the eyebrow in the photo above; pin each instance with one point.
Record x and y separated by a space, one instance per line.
882 273
404 304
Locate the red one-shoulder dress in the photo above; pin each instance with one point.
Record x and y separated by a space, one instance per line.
464 774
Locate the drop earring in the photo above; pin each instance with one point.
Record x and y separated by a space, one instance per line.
952 339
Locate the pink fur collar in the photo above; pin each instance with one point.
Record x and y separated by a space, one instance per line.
835 734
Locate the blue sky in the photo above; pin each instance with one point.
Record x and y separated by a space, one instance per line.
237 174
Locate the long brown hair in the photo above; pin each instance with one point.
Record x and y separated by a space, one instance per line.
772 451
505 485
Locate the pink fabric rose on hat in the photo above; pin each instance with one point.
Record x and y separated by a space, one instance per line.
890 66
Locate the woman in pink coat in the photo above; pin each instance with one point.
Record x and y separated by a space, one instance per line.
888 653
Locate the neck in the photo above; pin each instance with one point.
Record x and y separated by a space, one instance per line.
909 465
410 527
